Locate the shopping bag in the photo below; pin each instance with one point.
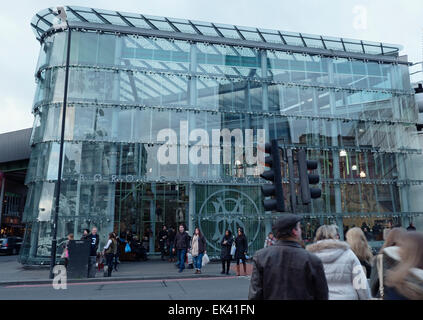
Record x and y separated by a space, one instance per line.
205 260
233 249
127 248
100 262
189 260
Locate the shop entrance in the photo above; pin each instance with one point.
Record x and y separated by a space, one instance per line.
143 209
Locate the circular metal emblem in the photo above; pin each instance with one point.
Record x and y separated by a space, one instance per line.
228 209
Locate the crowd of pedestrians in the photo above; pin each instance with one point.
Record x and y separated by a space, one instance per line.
326 269
331 269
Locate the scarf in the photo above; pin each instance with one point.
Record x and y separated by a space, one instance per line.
194 247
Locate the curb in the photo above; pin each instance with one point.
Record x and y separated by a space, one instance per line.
113 279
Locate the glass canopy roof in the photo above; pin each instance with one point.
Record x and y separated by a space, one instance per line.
45 19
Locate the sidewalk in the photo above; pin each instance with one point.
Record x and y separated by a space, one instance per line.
13 273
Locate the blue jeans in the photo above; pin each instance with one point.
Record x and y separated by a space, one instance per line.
181 258
198 261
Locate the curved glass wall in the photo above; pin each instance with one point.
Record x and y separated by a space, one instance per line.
356 117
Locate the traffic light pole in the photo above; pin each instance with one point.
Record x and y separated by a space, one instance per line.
291 180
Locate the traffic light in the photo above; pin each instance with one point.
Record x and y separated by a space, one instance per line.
306 179
274 190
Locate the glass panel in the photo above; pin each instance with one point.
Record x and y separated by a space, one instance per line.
251 36
185 28
272 37
114 19
293 41
316 43
208 31
91 17
353 47
334 45
162 25
372 49
140 23
229 33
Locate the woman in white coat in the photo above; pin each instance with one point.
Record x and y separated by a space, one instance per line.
344 273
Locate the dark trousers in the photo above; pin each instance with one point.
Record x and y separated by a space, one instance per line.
162 249
243 261
171 256
115 261
181 258
109 261
227 263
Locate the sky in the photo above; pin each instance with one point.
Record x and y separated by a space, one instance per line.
388 21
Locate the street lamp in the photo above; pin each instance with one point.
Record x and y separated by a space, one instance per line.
62 14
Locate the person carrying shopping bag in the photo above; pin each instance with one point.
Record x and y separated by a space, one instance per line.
198 249
181 245
109 252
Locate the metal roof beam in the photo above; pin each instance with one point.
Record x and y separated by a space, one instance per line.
232 42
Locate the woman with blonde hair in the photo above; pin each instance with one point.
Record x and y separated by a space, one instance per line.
345 276
405 281
357 240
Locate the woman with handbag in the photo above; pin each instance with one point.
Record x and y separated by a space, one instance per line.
241 245
405 281
198 249
109 251
225 253
387 259
65 254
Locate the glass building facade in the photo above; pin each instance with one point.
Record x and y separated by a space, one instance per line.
349 103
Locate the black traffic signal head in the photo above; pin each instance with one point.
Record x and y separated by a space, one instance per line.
275 176
306 179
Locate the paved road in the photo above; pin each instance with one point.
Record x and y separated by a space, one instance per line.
230 288
8 258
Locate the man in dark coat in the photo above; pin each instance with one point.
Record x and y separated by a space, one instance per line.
181 245
286 271
163 234
170 243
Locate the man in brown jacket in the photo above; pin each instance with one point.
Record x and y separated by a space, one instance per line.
286 271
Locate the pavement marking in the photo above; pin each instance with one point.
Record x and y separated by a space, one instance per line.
119 282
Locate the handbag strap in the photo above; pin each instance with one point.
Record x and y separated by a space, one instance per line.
380 273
